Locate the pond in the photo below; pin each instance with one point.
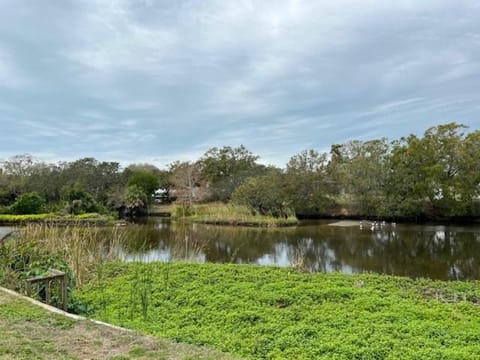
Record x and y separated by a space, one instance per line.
4 231
432 251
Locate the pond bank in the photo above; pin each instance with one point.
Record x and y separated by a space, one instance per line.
268 312
30 330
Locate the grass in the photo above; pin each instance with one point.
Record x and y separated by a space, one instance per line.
30 332
229 214
36 247
275 313
93 218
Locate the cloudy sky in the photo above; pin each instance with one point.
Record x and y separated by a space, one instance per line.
160 80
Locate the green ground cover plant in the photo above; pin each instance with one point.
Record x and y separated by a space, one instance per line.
279 313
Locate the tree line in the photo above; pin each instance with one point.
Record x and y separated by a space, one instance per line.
435 176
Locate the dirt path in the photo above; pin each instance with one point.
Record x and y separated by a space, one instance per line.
30 332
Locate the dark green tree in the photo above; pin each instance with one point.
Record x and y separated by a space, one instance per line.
147 181
264 195
97 178
357 174
224 169
306 184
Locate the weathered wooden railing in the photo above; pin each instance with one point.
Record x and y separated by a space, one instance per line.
53 276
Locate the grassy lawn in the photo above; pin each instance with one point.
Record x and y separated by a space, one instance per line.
275 313
30 332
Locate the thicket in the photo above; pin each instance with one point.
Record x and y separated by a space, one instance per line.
83 186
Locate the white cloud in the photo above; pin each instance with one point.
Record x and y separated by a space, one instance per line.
166 80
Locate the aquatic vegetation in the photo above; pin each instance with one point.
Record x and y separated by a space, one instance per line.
94 218
229 214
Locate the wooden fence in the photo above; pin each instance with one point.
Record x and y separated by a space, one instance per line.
53 276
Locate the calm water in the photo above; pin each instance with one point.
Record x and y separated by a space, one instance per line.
4 231
433 251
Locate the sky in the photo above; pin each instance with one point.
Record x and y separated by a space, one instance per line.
163 80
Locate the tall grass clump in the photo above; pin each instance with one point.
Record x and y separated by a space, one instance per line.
37 247
231 214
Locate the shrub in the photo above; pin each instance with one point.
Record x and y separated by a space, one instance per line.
79 201
29 203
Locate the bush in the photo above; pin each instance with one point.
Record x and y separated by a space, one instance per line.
29 203
4 209
79 201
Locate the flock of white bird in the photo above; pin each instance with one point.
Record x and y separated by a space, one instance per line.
375 225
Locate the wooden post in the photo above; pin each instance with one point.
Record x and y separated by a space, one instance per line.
64 292
28 288
47 292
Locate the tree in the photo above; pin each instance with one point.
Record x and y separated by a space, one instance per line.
15 172
224 169
97 178
357 174
306 183
135 201
468 181
186 182
47 180
18 165
146 181
404 194
264 195
79 201
436 175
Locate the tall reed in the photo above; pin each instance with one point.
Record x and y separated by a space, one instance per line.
82 247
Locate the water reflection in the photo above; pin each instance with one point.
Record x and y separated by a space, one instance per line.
439 252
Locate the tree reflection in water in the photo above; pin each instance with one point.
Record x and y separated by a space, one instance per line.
438 252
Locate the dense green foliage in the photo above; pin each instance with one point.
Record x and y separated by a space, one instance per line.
264 194
78 201
226 168
436 176
82 186
148 182
274 313
28 203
